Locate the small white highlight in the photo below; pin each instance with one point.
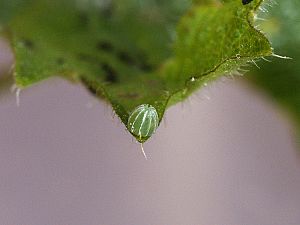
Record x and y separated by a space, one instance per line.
243 70
253 61
281 57
237 73
263 9
259 18
142 148
267 60
15 89
18 91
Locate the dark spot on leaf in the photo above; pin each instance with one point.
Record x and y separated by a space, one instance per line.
126 58
110 73
86 58
139 62
28 43
246 1
88 85
60 61
83 19
104 46
146 67
143 64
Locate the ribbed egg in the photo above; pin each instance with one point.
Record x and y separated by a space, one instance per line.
143 121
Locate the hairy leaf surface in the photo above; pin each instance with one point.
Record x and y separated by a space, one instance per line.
132 52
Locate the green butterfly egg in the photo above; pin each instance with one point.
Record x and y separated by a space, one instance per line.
143 121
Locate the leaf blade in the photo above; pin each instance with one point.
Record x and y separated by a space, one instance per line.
128 54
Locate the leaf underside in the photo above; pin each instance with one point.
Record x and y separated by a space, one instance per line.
132 52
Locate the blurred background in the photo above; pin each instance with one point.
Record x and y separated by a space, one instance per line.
226 156
229 155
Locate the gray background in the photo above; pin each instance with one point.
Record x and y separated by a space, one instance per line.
224 157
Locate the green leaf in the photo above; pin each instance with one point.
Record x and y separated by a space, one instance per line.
8 9
281 77
133 52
